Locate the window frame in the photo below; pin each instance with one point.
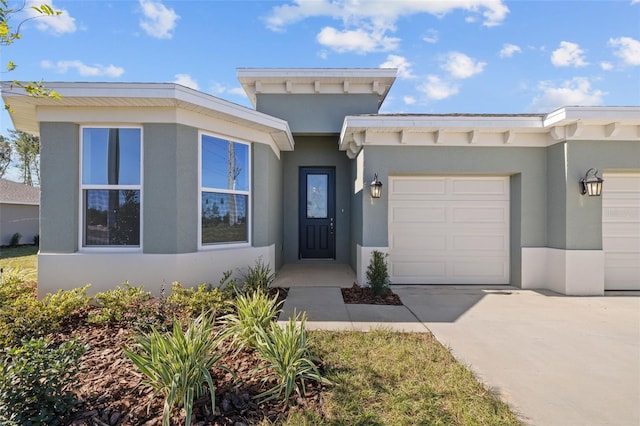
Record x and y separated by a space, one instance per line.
83 187
202 189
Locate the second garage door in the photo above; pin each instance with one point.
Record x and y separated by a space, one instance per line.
449 229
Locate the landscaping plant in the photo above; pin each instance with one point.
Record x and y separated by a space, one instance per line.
15 239
288 360
378 274
178 363
37 381
204 298
253 312
118 302
258 276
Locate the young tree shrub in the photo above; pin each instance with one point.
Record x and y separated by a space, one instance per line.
288 360
377 273
178 363
15 239
37 380
253 311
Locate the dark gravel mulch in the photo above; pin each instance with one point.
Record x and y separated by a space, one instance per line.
363 295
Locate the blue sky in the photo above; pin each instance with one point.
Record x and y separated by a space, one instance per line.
457 56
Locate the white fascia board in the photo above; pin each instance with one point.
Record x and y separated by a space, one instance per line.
593 115
417 122
315 73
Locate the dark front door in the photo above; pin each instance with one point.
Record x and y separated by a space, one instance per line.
317 213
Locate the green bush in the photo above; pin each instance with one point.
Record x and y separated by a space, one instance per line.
204 298
177 363
37 380
117 303
253 311
23 316
377 273
257 277
15 239
287 358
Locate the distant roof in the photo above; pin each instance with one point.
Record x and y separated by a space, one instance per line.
18 193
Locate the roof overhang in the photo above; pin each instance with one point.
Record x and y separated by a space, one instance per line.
25 109
569 123
376 81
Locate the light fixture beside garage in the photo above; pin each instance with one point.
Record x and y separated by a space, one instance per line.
376 187
591 183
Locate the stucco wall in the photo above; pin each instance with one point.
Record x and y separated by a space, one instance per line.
267 201
59 193
316 151
316 113
21 218
170 189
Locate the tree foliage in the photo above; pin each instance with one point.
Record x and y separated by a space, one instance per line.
9 34
26 148
5 155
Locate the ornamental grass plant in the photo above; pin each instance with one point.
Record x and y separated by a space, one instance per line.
178 363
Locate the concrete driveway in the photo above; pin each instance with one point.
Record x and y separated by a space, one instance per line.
556 360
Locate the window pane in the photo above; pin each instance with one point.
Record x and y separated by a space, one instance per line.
317 196
112 217
110 156
225 165
224 218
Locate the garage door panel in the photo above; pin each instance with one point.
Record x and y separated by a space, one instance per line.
449 230
476 214
621 231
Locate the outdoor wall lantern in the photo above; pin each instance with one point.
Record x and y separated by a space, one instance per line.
376 187
591 183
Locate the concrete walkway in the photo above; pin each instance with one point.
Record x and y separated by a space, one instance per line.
555 360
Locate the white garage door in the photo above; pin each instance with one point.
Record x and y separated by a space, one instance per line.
449 230
621 231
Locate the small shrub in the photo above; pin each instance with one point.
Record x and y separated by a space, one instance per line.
288 360
22 315
37 380
116 303
177 363
204 298
15 239
377 273
36 240
254 311
258 276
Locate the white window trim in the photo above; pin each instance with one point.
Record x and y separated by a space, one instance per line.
201 189
120 249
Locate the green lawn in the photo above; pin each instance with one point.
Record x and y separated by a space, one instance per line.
389 378
23 258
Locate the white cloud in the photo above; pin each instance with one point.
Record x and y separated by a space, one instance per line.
187 81
409 100
431 36
508 50
606 66
568 55
437 89
635 1
158 21
381 13
84 70
357 41
627 48
401 63
221 89
462 66
574 92
58 24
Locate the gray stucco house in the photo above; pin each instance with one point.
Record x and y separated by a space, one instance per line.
153 183
19 211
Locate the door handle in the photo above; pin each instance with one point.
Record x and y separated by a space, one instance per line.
331 226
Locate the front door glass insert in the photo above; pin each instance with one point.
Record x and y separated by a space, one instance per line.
317 196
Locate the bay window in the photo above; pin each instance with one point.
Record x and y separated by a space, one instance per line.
224 191
111 176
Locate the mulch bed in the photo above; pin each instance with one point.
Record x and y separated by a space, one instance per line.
363 295
111 390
